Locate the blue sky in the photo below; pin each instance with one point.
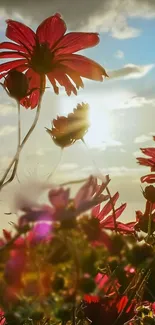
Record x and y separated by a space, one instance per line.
122 108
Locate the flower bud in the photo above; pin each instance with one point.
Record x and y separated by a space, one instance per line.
149 193
16 84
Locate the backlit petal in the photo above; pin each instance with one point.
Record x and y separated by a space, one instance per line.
51 30
73 42
108 207
63 80
87 68
11 54
21 34
4 67
148 178
12 46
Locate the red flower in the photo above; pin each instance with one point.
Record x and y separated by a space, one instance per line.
63 207
108 309
50 52
150 179
149 193
143 218
149 162
107 221
67 130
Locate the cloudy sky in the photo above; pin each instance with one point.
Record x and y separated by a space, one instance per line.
122 108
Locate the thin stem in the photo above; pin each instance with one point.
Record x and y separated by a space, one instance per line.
56 166
19 124
113 208
150 221
15 159
107 188
74 182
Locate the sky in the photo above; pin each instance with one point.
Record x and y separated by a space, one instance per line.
122 107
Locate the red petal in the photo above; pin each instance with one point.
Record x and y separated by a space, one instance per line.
118 212
34 82
121 227
91 299
74 76
149 152
13 54
86 191
95 211
148 178
34 98
5 67
73 42
122 303
51 30
7 234
87 68
108 207
12 46
146 161
64 81
34 79
53 82
21 34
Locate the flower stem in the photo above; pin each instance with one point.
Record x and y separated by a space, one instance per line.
107 188
56 166
15 159
77 181
150 221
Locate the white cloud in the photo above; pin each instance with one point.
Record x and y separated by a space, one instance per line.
7 130
6 109
68 166
123 31
119 54
131 71
115 171
107 16
142 138
136 101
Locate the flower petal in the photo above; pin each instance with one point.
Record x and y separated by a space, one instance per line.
21 34
86 192
51 30
13 46
5 67
73 42
53 82
64 81
148 178
11 54
34 82
118 212
149 152
149 162
34 79
108 207
87 68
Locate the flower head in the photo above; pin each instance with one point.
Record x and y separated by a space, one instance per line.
16 84
67 130
50 52
149 193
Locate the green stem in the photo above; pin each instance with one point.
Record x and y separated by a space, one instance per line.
107 189
150 221
15 159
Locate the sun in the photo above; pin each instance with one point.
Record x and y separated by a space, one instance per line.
100 131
